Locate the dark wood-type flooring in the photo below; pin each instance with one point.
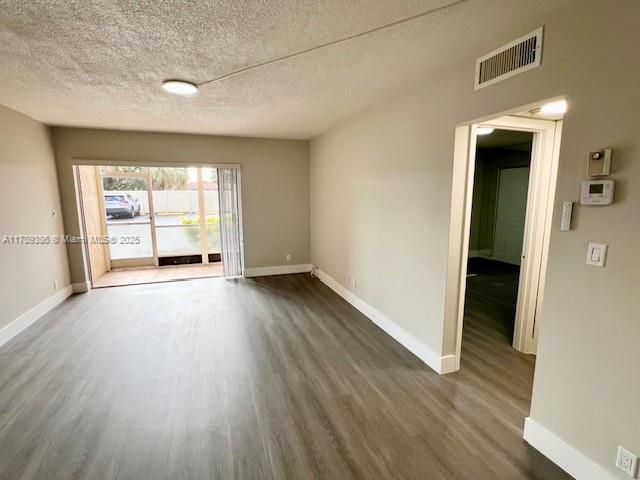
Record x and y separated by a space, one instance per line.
271 378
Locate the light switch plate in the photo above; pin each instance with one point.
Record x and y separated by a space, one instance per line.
596 254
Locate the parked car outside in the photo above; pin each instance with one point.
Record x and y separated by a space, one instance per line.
123 205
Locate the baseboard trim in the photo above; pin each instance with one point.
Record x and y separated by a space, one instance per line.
449 364
406 339
277 270
33 315
80 287
562 454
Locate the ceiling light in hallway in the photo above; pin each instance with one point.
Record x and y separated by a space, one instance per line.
554 107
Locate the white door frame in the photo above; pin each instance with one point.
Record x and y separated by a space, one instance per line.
542 182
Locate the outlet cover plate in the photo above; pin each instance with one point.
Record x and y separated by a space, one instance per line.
627 462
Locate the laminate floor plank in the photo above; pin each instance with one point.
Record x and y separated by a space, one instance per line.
268 378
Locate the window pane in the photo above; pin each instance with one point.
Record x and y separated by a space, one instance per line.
212 211
175 241
125 197
115 169
213 233
175 195
131 241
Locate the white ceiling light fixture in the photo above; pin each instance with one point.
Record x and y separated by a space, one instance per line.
484 130
179 87
554 108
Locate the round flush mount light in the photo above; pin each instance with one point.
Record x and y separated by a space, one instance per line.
484 130
179 87
554 108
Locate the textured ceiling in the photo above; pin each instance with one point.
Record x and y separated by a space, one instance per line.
100 63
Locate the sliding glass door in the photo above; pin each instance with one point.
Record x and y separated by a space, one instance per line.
177 215
173 216
127 221
211 214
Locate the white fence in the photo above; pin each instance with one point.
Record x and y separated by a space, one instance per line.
172 201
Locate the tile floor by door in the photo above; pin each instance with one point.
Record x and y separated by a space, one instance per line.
136 276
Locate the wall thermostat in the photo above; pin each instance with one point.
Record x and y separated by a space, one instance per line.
599 163
597 192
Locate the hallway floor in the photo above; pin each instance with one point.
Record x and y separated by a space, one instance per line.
491 295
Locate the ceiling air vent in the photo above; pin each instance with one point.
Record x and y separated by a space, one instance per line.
516 57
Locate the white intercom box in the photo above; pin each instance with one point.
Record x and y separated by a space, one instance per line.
597 192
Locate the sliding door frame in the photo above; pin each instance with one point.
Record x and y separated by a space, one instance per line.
97 163
204 241
128 262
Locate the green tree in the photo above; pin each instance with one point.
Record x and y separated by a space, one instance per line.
162 178
166 178
123 183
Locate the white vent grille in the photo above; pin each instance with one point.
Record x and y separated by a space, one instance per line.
516 57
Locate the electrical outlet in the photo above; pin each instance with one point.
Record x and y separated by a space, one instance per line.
288 257
55 284
627 462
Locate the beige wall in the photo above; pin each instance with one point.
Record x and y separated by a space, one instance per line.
380 206
28 194
275 183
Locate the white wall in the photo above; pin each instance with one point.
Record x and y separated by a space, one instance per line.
28 194
380 206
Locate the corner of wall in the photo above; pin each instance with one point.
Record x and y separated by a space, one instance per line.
562 454
440 364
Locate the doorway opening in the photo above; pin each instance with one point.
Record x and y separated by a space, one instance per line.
498 213
502 200
155 224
